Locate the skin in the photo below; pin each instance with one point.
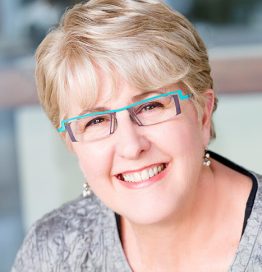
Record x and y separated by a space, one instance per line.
174 216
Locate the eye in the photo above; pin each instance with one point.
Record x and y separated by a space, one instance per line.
92 123
96 121
149 107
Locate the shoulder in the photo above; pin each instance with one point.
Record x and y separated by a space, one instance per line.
78 216
259 178
254 237
249 254
71 217
64 236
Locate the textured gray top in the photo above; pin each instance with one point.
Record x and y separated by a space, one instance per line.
82 236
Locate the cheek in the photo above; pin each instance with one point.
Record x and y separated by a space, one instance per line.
186 151
95 162
183 142
182 137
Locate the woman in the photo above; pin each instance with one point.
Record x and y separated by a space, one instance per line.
127 84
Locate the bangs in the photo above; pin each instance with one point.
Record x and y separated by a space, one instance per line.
82 81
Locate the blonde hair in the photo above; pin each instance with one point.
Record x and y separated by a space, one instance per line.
144 41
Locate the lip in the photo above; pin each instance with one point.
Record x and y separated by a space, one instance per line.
145 183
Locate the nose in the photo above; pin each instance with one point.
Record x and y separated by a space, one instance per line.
130 142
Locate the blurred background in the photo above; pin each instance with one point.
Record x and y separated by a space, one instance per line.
37 174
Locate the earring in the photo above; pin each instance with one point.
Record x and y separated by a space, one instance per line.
206 161
86 191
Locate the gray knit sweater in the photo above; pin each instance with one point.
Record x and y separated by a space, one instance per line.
82 235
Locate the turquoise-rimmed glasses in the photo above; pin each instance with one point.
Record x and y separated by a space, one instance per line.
98 125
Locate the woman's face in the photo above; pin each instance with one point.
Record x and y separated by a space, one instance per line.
176 145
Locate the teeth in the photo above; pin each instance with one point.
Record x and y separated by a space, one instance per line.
155 170
136 177
151 172
143 175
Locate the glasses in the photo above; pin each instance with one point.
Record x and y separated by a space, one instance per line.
98 125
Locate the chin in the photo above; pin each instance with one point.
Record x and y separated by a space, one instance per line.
157 215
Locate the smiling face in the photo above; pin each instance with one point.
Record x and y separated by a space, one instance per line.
145 173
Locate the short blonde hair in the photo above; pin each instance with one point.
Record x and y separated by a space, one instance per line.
144 41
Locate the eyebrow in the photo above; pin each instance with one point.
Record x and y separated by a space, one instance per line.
143 95
134 99
97 109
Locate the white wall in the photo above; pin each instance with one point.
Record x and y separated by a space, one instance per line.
49 174
238 123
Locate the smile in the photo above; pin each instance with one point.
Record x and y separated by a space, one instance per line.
143 175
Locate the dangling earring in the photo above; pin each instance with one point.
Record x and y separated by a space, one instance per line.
86 191
206 161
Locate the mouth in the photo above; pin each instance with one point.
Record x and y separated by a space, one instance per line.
144 175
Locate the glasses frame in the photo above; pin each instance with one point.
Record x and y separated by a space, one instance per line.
65 124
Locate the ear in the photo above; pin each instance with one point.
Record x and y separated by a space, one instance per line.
206 118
